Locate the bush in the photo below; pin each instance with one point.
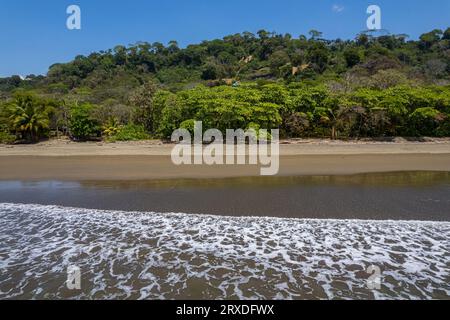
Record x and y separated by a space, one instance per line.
425 121
130 132
444 129
82 125
6 137
188 125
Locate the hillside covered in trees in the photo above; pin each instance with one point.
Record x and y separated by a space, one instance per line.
305 85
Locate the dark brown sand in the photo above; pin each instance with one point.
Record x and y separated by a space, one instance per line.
142 167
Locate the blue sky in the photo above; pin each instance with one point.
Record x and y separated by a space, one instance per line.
33 34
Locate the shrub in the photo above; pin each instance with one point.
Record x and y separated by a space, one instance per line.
188 125
425 121
130 132
6 137
82 125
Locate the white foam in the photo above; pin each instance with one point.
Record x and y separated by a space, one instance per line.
139 255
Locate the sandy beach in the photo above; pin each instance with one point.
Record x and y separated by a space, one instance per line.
65 160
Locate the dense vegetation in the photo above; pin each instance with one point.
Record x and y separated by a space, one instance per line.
307 87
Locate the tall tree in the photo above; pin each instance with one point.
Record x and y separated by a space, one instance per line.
142 100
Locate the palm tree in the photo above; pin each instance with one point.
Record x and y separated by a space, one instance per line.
29 117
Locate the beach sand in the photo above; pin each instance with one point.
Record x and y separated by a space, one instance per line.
64 160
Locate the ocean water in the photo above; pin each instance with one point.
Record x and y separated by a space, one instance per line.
420 196
148 255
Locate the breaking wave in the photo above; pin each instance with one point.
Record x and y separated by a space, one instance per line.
135 255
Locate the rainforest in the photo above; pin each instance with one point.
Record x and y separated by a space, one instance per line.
375 85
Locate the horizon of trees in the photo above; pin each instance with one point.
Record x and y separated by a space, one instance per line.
306 86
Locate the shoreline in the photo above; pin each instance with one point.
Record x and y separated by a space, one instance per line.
147 160
65 147
421 196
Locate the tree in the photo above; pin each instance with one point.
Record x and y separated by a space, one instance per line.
318 54
277 60
297 124
436 68
378 122
29 116
142 100
173 46
315 34
385 79
120 55
263 34
425 121
429 39
212 70
82 125
352 57
446 35
362 39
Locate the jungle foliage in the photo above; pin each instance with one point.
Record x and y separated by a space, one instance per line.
306 86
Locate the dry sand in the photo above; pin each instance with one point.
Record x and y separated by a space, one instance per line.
64 160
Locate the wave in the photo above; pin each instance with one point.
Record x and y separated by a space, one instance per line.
136 255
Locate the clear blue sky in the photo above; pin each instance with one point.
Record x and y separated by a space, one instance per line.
33 34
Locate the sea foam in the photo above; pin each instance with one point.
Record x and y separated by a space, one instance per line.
136 255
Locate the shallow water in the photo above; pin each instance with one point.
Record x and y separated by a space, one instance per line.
136 255
400 196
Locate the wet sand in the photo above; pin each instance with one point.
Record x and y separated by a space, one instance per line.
139 167
59 160
381 196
